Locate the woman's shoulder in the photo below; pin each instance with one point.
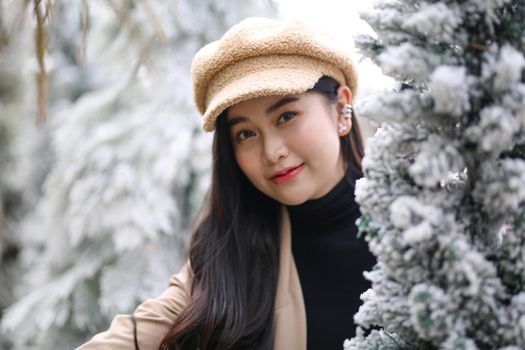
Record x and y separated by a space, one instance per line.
151 320
184 277
173 300
180 284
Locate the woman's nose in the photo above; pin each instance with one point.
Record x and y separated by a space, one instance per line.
274 149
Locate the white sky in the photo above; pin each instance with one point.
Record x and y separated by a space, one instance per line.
333 14
341 19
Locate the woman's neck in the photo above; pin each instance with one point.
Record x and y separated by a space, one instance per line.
335 210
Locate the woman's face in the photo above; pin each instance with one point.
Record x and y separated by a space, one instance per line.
297 134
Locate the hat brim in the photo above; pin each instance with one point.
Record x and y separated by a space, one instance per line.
292 77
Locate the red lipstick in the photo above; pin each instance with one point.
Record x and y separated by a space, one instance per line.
286 174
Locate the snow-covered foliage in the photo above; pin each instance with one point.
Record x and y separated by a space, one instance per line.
443 192
130 164
23 148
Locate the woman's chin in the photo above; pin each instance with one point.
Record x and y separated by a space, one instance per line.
291 199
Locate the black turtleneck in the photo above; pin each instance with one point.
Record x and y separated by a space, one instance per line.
330 261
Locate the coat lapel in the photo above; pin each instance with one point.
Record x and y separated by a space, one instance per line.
290 314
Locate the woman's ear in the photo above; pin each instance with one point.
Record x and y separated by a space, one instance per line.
344 95
344 107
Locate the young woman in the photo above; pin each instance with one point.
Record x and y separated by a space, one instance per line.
274 261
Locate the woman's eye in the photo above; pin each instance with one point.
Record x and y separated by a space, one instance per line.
286 116
243 135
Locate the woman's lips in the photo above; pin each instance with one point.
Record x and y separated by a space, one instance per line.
290 175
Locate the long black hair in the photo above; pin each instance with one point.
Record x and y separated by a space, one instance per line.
234 252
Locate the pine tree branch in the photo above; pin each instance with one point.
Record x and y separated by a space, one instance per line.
479 46
159 32
84 22
41 44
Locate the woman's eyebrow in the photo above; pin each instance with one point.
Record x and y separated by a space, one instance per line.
280 103
236 120
240 119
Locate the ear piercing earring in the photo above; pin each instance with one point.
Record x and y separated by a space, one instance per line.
346 111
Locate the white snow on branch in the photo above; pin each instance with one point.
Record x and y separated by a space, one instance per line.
450 89
409 62
415 218
494 132
504 65
501 188
402 106
436 160
489 7
436 21
429 311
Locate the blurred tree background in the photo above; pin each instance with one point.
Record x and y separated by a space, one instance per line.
102 160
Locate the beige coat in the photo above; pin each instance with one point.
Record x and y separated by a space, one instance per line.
156 316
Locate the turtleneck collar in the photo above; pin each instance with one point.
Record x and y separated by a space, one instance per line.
335 210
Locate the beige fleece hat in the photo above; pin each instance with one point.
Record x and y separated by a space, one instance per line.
262 57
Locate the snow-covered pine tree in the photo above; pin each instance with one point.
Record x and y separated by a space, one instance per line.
10 86
443 193
131 166
23 147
